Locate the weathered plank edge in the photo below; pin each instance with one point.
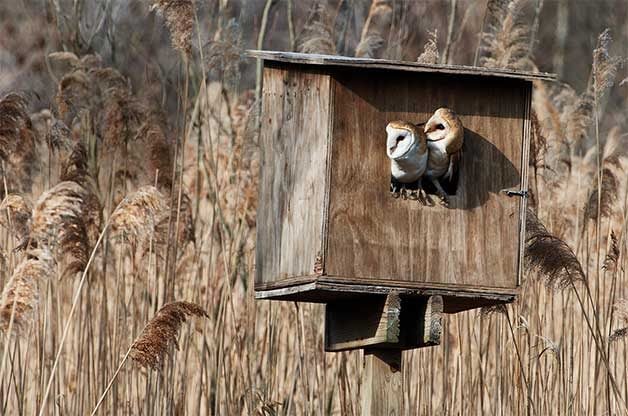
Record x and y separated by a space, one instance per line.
525 157
328 174
333 60
321 283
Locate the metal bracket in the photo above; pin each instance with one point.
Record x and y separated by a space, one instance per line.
511 192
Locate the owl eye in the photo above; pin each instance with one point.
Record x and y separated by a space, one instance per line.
400 138
440 127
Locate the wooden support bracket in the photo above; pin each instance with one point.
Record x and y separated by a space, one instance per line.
391 321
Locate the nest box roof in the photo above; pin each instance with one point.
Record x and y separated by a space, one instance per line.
385 64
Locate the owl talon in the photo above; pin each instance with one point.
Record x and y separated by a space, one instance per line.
443 201
394 191
413 196
422 196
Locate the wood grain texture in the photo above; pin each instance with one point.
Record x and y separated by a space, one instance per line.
361 63
363 322
294 142
373 237
382 383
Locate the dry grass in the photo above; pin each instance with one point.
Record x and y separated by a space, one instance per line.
129 176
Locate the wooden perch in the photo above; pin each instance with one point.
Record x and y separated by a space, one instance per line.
362 322
391 321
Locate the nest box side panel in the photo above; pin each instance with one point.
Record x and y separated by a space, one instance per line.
294 142
475 242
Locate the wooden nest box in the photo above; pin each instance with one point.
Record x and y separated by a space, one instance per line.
328 229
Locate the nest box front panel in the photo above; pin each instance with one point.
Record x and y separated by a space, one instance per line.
373 237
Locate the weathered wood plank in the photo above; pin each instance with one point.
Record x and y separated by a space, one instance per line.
325 290
368 63
363 322
294 146
382 383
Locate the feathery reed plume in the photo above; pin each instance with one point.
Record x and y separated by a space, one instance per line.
538 143
114 130
430 53
73 94
75 168
17 144
609 187
549 257
612 255
317 36
223 54
614 148
161 332
15 213
506 41
119 110
53 210
59 224
12 117
74 247
576 113
621 314
376 29
137 216
20 295
151 135
179 15
58 135
605 66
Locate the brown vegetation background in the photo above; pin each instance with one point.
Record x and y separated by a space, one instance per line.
129 170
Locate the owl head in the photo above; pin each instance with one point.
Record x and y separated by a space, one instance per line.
401 138
444 125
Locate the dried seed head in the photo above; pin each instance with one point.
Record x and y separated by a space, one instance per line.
549 257
605 66
179 15
151 134
317 36
137 216
430 53
20 295
52 211
161 332
506 41
610 262
15 214
17 144
621 314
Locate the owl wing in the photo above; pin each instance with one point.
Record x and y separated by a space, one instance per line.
454 150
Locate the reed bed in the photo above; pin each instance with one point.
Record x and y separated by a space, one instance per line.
127 221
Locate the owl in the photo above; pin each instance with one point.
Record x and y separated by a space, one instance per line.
445 135
406 147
